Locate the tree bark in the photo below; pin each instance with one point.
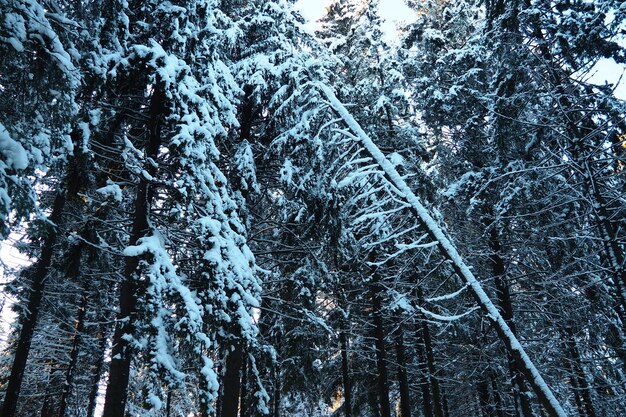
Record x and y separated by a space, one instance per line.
424 374
231 382
403 381
121 355
503 296
345 373
243 397
76 341
93 394
381 365
578 377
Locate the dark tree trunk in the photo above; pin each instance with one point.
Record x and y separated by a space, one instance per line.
29 319
489 397
503 296
484 399
121 355
578 377
345 373
424 379
93 394
243 397
277 389
168 406
76 341
381 361
497 400
372 397
403 382
423 334
231 382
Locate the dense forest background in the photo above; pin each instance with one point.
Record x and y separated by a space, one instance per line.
225 215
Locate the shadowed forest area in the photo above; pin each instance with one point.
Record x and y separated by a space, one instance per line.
222 214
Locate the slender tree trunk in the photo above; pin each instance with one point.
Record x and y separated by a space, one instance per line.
277 388
372 397
424 374
484 399
29 319
381 361
424 335
168 405
243 397
503 296
93 394
121 355
76 341
444 400
46 408
577 400
345 373
497 398
403 381
578 376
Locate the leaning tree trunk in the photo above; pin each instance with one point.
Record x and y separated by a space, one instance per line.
449 251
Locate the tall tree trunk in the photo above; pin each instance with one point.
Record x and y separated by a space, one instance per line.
503 296
168 405
79 327
424 374
381 361
277 388
93 394
484 399
31 313
231 382
489 397
497 400
121 355
243 397
403 382
578 376
423 334
345 374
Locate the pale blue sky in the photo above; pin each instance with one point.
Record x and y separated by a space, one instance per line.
393 11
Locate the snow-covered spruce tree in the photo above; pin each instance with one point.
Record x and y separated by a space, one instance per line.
182 210
40 82
271 67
